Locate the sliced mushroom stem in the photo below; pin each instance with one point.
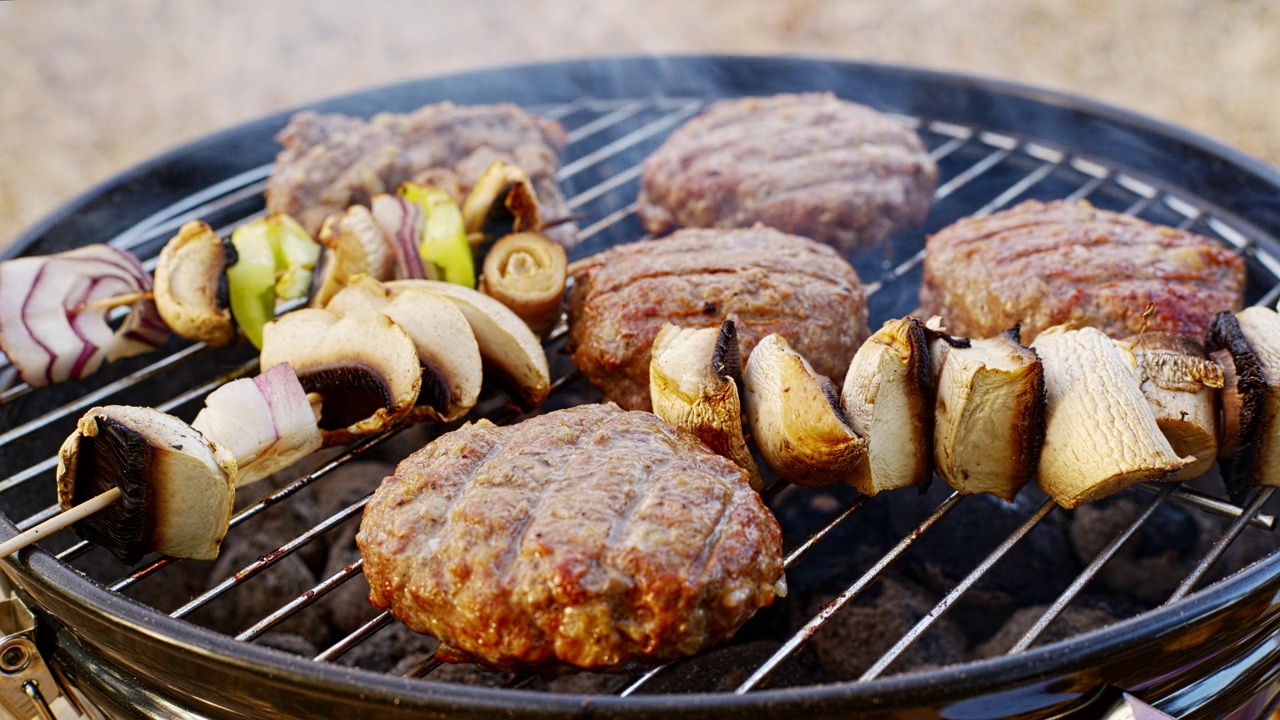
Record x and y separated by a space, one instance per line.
795 418
177 486
1181 385
693 378
989 414
888 398
1101 435
1252 337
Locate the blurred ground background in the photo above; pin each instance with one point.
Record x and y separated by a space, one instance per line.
88 90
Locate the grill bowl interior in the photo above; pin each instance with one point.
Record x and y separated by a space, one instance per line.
996 143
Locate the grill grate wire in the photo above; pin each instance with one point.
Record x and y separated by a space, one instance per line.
607 147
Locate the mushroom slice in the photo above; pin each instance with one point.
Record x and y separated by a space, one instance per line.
363 366
1181 384
506 343
501 203
353 245
527 273
795 417
266 422
177 486
1252 337
693 382
191 286
989 414
447 349
888 399
1100 435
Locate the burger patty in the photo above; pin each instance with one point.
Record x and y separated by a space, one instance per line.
763 279
1041 265
812 165
332 161
588 538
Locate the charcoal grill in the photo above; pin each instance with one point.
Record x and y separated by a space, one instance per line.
1208 651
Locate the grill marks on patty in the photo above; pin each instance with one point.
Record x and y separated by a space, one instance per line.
1041 264
809 164
765 280
588 537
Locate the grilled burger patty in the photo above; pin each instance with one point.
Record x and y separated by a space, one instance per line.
332 161
586 538
1044 264
812 165
765 280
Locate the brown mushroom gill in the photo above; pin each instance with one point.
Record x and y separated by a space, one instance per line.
111 454
1250 336
352 392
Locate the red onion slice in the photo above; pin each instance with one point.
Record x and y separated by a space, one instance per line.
49 326
401 223
266 422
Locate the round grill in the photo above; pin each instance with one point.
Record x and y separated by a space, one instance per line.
995 144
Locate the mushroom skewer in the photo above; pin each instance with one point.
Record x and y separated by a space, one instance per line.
136 480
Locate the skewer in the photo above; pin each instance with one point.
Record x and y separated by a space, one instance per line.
115 301
60 521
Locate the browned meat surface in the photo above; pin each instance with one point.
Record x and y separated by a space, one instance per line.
587 538
811 165
1046 264
763 279
332 161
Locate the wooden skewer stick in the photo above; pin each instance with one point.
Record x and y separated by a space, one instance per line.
59 521
115 301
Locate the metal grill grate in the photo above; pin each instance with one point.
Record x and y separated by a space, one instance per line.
981 172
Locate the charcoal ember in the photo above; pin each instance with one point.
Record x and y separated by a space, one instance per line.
347 484
861 539
411 665
1149 567
1074 620
282 520
166 590
251 599
725 668
288 642
854 638
1035 570
468 674
586 683
387 648
347 605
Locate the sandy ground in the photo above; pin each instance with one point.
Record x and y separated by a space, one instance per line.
86 91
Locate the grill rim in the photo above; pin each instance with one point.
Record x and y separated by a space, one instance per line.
52 582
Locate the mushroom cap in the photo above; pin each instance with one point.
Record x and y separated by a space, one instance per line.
888 398
692 385
989 414
1100 434
452 370
500 203
795 418
506 342
189 280
353 245
1252 337
527 272
363 366
1181 384
177 486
